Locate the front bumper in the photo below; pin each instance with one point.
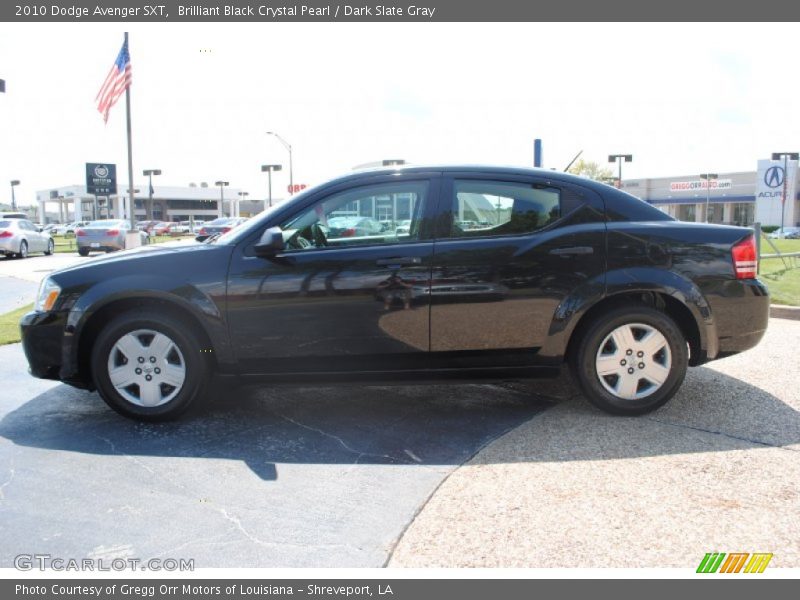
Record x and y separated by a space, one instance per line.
49 348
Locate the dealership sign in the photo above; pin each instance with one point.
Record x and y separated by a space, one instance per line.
702 184
101 179
770 180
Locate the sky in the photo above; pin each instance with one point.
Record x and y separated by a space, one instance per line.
682 98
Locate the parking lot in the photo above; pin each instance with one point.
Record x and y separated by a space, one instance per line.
518 475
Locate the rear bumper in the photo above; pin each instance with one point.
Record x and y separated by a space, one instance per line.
740 309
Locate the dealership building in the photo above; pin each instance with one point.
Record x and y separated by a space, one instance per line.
170 203
740 198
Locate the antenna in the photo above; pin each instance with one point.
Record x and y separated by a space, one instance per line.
572 161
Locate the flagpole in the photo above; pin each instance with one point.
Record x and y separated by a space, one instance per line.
130 147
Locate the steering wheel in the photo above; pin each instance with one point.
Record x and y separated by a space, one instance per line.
319 236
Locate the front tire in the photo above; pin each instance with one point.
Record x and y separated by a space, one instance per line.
51 247
631 360
148 366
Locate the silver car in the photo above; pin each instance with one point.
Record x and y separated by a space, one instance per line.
105 235
19 237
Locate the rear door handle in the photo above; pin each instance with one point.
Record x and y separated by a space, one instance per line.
572 250
398 261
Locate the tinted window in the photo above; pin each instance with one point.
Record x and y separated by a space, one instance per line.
366 215
493 208
5 224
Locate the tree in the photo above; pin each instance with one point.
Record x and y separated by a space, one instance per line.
590 169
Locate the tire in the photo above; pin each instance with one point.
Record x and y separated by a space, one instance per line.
641 354
178 375
23 250
51 247
83 251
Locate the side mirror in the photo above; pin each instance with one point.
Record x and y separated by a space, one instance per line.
271 242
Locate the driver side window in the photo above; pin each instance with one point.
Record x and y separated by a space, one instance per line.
387 213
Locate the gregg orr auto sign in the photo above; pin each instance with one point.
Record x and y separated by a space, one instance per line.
101 179
702 184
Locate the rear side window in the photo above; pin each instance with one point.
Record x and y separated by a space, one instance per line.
497 208
4 224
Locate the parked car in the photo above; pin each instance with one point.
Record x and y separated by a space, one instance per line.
403 227
785 232
105 235
70 228
570 270
181 228
218 226
146 226
13 215
20 237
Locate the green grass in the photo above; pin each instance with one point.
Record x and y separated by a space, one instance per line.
781 276
66 244
9 325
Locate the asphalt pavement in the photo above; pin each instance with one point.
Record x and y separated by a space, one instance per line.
286 477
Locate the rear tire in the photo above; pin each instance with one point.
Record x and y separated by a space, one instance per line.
148 366
83 251
23 250
631 360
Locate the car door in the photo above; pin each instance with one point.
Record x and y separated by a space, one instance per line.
509 250
35 240
334 300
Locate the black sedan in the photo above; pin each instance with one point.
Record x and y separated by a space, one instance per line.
562 269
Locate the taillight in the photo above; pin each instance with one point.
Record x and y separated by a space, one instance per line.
111 232
744 258
349 232
80 233
226 229
5 234
202 231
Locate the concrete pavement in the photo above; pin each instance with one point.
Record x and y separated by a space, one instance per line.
716 469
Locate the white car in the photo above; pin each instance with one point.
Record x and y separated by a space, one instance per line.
18 237
783 233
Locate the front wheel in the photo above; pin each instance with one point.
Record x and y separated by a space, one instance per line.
631 360
51 247
148 366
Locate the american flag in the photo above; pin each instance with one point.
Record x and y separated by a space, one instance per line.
117 81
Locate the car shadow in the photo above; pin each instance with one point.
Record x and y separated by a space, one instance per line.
408 425
262 427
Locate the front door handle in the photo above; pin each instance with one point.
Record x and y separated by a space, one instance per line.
572 250
398 261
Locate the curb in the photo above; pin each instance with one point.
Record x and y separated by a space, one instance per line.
781 311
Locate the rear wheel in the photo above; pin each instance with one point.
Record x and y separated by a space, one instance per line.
631 360
23 250
83 251
148 366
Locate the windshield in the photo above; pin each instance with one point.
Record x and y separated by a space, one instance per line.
106 223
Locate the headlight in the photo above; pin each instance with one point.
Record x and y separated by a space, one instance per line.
49 291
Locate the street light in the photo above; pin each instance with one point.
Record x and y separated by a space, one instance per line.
222 185
148 213
243 196
618 158
709 177
14 183
288 146
269 169
786 156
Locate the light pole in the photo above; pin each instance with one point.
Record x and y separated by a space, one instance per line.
269 169
222 185
243 196
709 177
288 146
786 156
618 158
148 213
14 183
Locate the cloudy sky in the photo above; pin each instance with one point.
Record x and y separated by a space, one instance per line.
681 98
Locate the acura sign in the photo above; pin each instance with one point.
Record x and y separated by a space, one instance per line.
101 179
770 180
